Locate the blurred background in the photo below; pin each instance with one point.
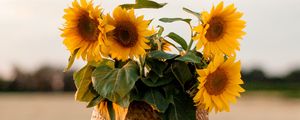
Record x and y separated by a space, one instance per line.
32 58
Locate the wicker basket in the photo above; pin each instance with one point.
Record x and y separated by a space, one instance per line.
143 111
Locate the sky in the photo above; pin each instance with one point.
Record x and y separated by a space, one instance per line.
30 35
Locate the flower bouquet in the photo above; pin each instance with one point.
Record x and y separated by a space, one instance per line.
133 72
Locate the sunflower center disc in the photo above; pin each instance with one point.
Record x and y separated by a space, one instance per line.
216 82
88 28
215 30
126 34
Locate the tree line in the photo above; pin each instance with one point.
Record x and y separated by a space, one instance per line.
54 79
256 79
45 79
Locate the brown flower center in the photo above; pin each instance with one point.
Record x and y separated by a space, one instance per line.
88 28
126 34
216 82
215 30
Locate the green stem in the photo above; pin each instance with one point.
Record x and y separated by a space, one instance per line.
191 41
142 65
110 110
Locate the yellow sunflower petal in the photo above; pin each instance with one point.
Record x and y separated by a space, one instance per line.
220 82
81 30
128 38
225 27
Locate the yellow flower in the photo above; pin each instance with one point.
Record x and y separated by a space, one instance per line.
220 31
166 45
81 30
219 84
127 40
104 28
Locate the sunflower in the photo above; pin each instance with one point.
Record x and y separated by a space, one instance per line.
219 84
220 31
82 30
127 40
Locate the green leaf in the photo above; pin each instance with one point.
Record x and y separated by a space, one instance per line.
170 20
156 99
181 72
83 82
95 101
178 40
192 12
160 31
190 57
157 66
116 83
153 80
137 93
181 108
159 75
169 91
102 62
71 60
144 4
157 54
